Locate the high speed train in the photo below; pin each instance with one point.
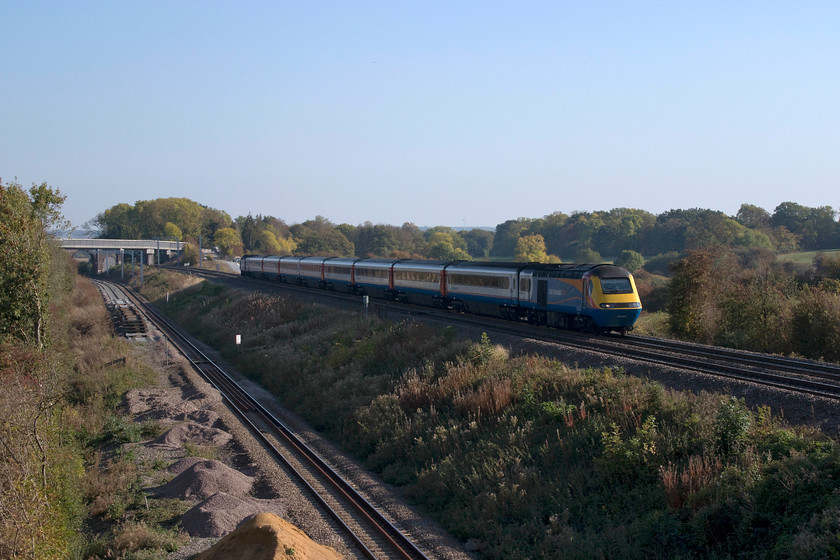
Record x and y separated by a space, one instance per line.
593 297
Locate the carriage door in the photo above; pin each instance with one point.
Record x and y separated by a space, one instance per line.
542 292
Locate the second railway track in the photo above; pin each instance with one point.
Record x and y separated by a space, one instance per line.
797 375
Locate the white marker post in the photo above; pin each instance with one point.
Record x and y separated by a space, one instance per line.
239 344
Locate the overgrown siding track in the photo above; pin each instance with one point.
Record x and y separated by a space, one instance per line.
802 376
128 322
372 533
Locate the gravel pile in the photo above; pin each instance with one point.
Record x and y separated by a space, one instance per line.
169 401
224 493
191 432
203 479
221 513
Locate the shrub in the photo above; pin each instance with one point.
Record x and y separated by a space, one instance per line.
731 426
816 325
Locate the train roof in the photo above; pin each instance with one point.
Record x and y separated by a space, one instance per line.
578 270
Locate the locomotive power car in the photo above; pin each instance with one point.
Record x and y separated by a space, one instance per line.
592 297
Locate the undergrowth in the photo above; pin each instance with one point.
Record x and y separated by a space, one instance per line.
531 458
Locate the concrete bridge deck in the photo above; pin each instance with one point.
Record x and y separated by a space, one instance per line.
105 253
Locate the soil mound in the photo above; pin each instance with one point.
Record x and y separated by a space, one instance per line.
138 401
203 479
190 432
267 537
221 513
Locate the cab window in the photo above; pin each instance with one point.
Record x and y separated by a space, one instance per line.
616 286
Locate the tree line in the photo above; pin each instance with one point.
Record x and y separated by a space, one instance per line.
717 276
754 302
620 234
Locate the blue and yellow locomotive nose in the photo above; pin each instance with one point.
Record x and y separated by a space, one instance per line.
612 297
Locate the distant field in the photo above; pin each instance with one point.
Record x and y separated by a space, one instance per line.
805 257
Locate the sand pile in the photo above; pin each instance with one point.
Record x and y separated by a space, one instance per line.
221 513
202 479
267 537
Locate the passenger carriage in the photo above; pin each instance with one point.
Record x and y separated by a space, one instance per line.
338 274
483 288
311 271
251 265
288 269
419 282
269 267
374 277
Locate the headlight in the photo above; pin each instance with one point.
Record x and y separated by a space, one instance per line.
630 305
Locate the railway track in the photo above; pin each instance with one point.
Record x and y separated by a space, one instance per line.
802 376
128 321
370 531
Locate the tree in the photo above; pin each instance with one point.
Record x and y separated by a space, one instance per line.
442 246
816 228
148 219
375 240
631 260
711 228
815 325
228 241
784 240
828 265
25 220
753 239
700 281
172 232
507 234
321 237
248 231
588 256
479 242
530 248
753 217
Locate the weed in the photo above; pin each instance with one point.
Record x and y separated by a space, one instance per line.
209 452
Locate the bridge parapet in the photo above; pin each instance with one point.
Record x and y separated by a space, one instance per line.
117 244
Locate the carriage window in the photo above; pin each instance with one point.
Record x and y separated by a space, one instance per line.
525 285
416 276
500 282
372 272
616 286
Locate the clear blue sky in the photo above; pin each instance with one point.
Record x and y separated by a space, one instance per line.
451 113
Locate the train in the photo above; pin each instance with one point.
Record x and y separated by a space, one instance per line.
598 298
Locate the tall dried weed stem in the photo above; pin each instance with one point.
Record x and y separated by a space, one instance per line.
681 484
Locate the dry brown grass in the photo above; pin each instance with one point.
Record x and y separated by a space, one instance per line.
681 484
471 385
107 485
493 396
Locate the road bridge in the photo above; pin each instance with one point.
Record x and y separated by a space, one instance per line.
105 253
